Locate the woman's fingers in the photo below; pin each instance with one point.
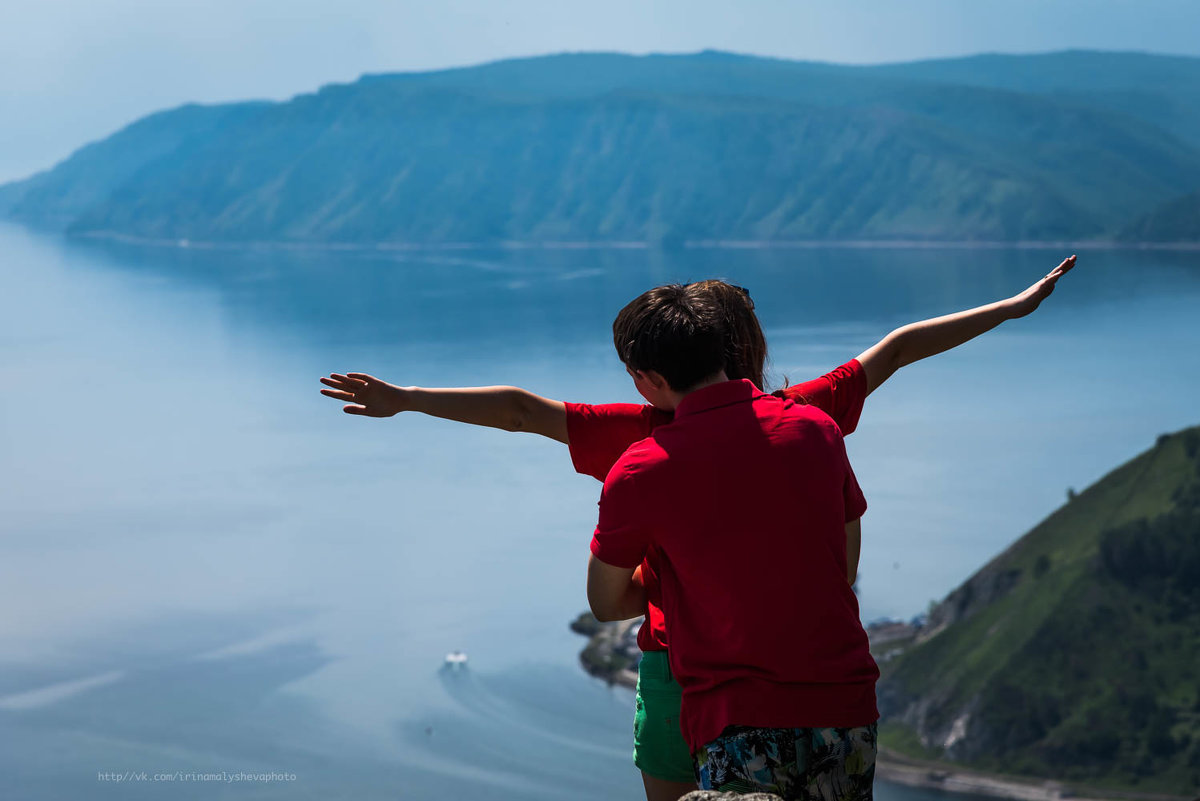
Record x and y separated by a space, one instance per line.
1066 265
344 384
340 386
1052 278
356 390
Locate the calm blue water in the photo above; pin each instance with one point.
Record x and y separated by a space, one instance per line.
206 567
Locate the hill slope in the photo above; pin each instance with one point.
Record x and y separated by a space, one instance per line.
1074 654
1163 90
1177 220
92 173
605 147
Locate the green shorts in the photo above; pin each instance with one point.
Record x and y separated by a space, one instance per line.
658 746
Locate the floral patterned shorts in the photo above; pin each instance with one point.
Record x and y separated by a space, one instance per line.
798 764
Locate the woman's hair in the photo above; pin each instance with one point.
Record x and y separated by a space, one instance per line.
745 345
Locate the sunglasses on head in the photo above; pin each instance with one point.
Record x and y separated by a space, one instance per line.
745 292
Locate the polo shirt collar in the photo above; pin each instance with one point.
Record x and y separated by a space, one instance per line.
711 397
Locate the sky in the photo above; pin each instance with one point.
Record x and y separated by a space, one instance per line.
73 71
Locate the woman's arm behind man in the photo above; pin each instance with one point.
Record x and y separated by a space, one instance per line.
506 408
926 338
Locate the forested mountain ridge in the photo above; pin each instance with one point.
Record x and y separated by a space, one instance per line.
1177 220
658 149
1073 655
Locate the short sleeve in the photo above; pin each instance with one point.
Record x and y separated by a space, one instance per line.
622 534
598 435
840 394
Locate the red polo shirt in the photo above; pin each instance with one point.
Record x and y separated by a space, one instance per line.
599 434
745 496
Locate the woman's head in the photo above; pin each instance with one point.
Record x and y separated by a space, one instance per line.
745 345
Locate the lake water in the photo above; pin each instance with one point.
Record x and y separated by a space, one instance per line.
206 567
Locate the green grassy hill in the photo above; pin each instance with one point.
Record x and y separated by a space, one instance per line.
661 149
1075 654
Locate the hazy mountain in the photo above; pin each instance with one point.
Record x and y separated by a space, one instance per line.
90 176
605 147
1074 654
1177 220
1161 90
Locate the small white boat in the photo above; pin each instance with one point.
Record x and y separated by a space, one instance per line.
456 659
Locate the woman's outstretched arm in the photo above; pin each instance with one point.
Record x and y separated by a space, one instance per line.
507 408
920 340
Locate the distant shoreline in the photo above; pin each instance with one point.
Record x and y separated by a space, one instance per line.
698 244
899 769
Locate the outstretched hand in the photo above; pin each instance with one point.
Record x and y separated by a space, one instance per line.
364 394
1030 299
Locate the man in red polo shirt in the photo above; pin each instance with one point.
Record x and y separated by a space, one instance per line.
749 500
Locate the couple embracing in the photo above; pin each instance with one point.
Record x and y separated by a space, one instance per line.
730 518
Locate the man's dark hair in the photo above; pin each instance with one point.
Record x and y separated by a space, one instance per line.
678 331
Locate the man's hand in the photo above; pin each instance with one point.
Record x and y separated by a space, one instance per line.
365 395
1024 303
